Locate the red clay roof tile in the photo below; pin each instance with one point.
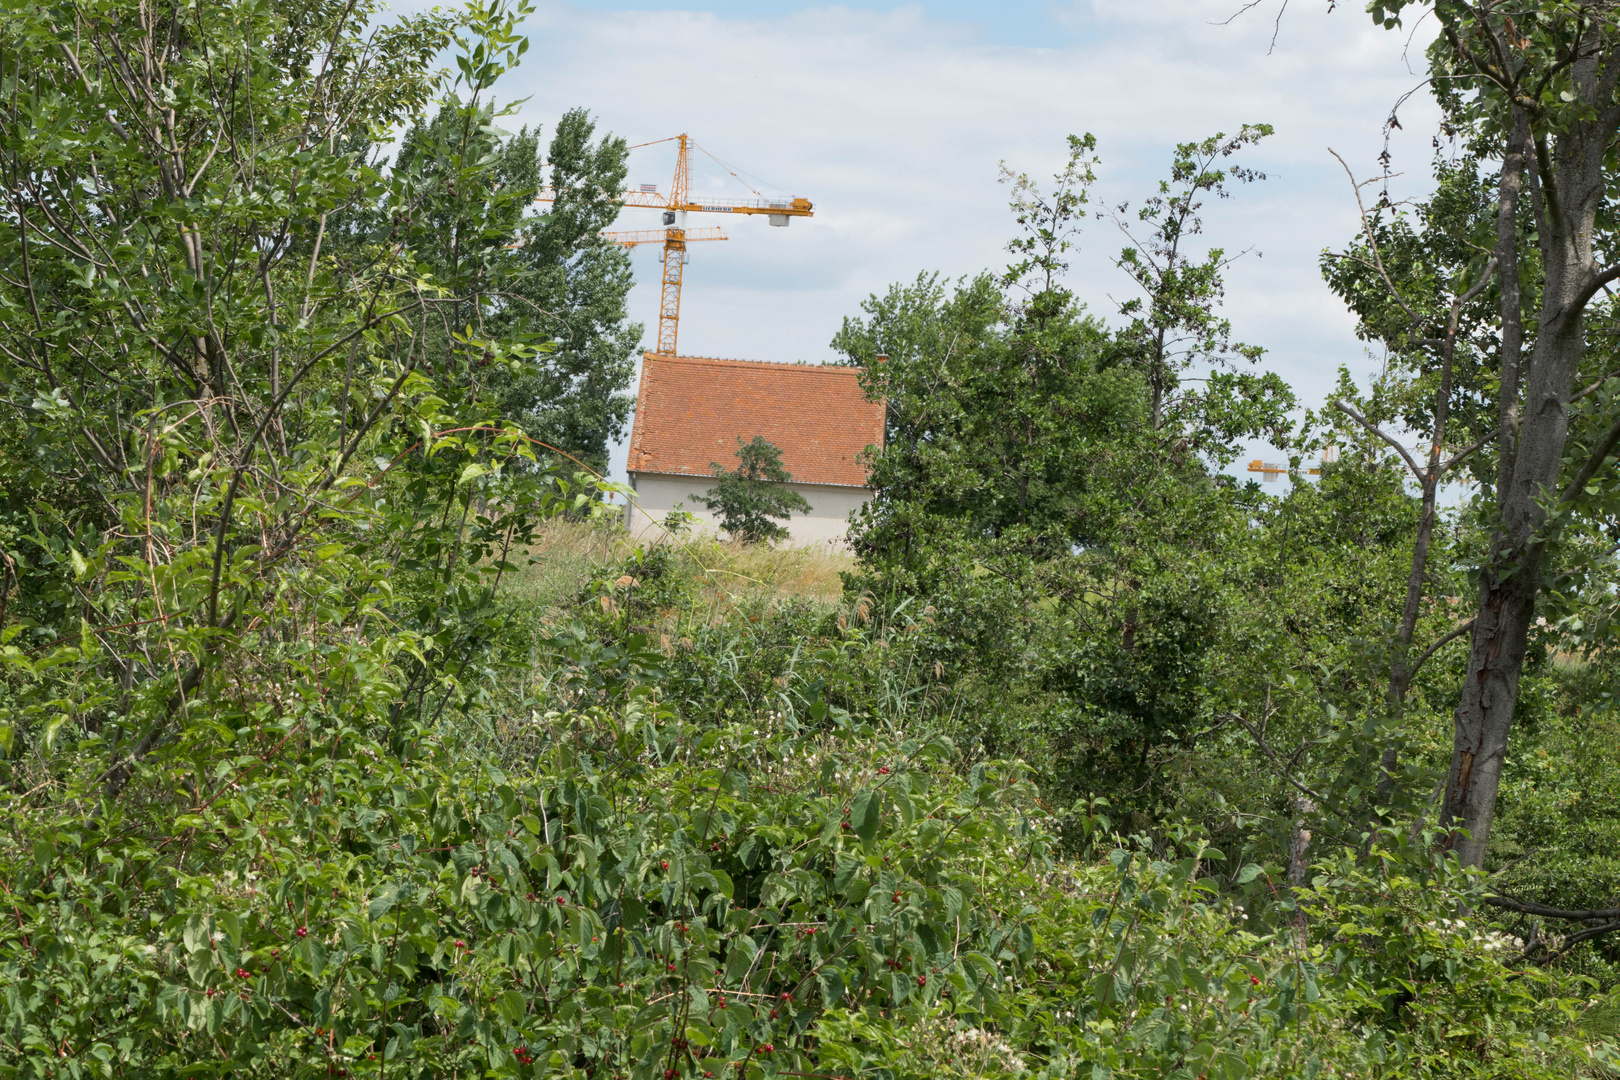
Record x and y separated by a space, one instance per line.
691 410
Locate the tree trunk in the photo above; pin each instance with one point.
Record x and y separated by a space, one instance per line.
1571 180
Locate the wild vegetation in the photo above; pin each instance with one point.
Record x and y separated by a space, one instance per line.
345 733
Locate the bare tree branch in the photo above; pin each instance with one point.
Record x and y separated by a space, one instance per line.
1376 430
1432 649
1571 914
1276 760
1372 243
1594 463
1461 454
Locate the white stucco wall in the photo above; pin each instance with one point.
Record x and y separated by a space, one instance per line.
656 495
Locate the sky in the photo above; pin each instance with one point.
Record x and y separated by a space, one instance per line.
894 121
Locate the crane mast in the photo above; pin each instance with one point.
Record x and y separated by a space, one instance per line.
669 297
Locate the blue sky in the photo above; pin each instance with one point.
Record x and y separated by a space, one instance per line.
1022 24
894 120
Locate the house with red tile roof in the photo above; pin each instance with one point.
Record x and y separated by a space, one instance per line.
690 412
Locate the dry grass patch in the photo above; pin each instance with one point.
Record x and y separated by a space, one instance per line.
567 555
809 572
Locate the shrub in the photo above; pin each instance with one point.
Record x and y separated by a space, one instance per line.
750 499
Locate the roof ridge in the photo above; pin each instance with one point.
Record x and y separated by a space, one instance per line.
798 365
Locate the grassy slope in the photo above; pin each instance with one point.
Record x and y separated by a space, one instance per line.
570 554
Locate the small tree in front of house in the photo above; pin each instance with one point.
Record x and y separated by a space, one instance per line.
748 499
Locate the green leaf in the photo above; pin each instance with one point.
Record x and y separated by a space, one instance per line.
864 813
831 983
383 903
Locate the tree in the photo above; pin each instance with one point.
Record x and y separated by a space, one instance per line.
249 504
539 278
1174 329
575 285
1070 548
1012 408
230 444
1533 88
1421 285
991 425
750 498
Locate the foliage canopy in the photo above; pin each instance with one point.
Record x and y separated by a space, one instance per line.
322 755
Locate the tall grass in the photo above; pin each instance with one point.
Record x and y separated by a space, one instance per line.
810 573
568 554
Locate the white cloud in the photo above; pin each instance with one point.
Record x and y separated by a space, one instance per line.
893 123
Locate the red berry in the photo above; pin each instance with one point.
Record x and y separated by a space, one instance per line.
302 931
769 1048
562 900
672 967
1254 980
774 1014
664 863
460 944
922 980
884 770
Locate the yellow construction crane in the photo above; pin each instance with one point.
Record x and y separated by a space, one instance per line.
1331 454
675 236
1272 470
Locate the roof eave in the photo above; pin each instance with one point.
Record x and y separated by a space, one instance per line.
711 476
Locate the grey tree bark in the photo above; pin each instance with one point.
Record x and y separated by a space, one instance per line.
1567 179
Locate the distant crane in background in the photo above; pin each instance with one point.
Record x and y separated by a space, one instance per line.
1271 470
1330 453
675 206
